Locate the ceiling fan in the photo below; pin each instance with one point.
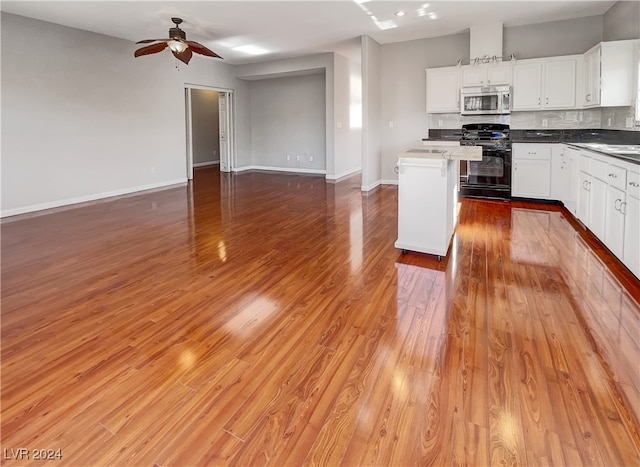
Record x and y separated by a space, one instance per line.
180 47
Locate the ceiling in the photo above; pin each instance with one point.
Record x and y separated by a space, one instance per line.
295 27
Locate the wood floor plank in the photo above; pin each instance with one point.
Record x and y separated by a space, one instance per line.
267 319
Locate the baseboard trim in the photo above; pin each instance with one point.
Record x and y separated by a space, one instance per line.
371 187
88 199
389 182
280 169
344 174
205 164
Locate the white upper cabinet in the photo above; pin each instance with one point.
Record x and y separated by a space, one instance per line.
527 86
443 90
486 75
560 84
545 83
609 74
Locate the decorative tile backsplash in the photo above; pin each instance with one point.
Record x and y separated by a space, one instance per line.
555 119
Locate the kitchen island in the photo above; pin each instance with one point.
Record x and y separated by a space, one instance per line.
428 196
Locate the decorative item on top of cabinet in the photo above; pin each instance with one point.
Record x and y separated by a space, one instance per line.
548 83
443 90
631 210
486 75
609 74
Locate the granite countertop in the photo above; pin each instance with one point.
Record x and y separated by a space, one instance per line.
627 152
467 153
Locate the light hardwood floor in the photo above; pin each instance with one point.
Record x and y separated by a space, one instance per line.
267 319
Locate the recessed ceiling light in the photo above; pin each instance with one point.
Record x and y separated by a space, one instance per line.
361 1
251 49
386 24
422 13
400 13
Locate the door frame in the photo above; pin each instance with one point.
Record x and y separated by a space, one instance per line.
189 125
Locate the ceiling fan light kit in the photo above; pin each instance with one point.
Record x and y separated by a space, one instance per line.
177 42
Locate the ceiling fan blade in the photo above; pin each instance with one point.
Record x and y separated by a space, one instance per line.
150 49
146 41
183 56
201 49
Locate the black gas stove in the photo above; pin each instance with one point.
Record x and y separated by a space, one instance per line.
491 177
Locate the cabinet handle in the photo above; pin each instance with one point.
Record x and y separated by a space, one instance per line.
634 184
616 206
588 97
613 176
624 213
547 100
538 101
396 170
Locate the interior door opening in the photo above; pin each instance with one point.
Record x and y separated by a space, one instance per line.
209 128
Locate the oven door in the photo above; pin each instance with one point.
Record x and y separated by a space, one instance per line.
490 177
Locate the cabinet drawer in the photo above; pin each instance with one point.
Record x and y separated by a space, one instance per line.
532 151
633 184
599 170
584 164
617 177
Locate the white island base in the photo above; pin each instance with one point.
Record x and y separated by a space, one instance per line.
428 197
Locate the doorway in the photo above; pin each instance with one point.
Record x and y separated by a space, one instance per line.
210 130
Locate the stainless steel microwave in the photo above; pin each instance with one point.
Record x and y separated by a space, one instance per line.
486 100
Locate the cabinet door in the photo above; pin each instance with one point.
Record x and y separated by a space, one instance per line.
631 257
443 90
560 84
474 76
614 224
582 211
499 74
572 188
597 208
531 178
592 77
527 86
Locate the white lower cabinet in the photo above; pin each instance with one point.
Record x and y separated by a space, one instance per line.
531 170
608 204
615 220
631 250
582 210
597 207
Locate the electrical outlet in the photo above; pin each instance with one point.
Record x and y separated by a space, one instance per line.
579 116
545 122
298 158
629 122
440 123
310 158
609 121
288 157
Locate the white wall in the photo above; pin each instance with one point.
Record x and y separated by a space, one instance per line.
371 114
567 37
300 66
622 21
288 118
348 117
84 119
403 91
205 126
